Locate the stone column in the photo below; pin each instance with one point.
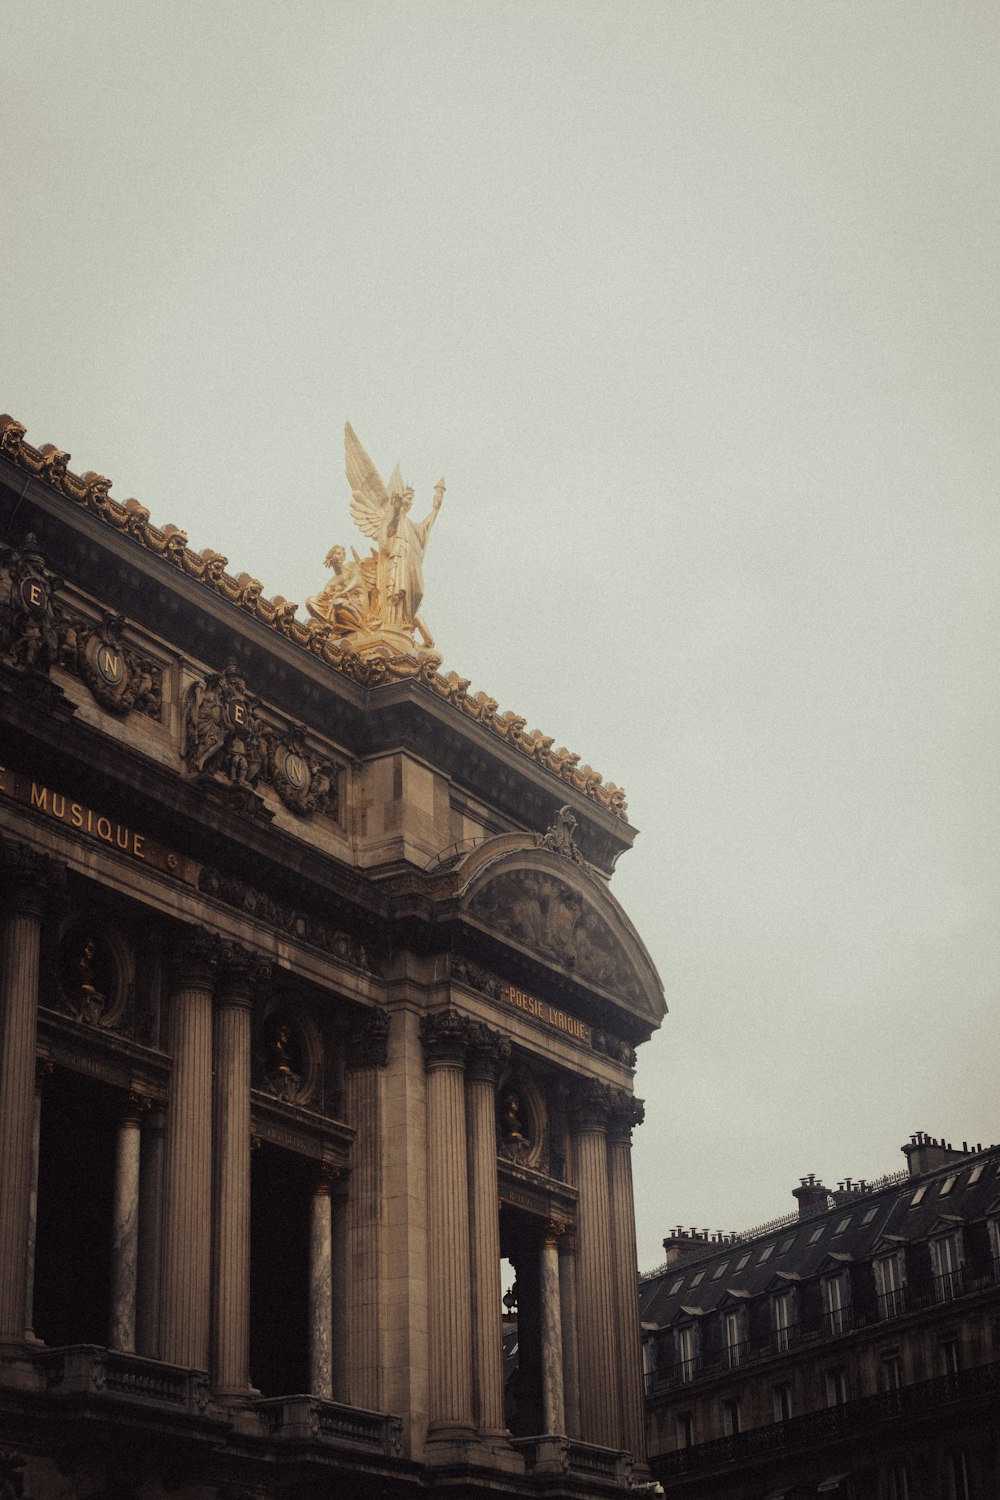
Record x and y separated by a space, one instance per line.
185 1299
445 1037
150 1231
488 1053
321 1289
125 1227
26 877
338 1288
367 1050
567 1309
553 1404
237 972
626 1112
42 1070
600 1420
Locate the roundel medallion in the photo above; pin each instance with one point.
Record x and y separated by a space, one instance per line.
296 771
34 594
111 664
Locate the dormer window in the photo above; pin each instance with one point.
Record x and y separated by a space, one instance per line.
947 1264
783 1318
734 1337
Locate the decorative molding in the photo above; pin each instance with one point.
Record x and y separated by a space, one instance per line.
28 880
119 678
446 1037
626 1113
90 492
301 925
489 1053
544 914
591 1104
560 837
193 956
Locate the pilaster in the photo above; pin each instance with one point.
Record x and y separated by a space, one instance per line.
488 1053
321 1289
570 1343
626 1112
553 1404
366 1056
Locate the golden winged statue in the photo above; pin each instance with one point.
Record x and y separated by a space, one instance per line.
376 600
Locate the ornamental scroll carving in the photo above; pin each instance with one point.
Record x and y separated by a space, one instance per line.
29 629
119 678
91 492
544 914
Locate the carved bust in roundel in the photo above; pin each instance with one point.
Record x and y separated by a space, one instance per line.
95 976
521 1122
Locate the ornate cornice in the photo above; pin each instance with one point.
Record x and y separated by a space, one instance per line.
302 926
368 1041
51 466
446 1037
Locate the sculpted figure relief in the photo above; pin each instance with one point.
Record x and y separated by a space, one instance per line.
374 602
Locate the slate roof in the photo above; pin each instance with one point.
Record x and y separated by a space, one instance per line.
966 1191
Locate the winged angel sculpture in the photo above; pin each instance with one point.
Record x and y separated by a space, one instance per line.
375 601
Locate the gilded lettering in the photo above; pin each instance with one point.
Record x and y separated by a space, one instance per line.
39 797
119 840
76 814
35 594
3 784
104 830
90 821
60 811
137 843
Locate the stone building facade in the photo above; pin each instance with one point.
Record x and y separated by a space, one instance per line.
851 1349
314 1004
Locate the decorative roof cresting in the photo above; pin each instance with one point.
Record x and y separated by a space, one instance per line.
376 615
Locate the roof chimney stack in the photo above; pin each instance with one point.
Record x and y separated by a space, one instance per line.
812 1196
923 1153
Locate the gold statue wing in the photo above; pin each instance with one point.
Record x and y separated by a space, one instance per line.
370 496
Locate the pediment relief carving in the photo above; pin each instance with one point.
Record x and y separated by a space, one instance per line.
545 914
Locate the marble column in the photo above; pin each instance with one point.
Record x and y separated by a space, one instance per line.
338 1290
568 1314
553 1404
185 1283
42 1070
125 1227
321 1290
445 1037
26 877
367 1050
626 1112
150 1231
237 972
488 1054
600 1420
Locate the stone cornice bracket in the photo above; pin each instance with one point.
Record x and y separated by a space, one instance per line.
368 1041
28 880
445 1035
591 1104
626 1113
489 1053
194 954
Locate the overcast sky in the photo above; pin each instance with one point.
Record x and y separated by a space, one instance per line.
695 306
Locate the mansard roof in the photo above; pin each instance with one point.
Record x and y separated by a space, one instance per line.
907 1210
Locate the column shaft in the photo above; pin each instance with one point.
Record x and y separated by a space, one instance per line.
29 1271
488 1054
150 1233
187 1213
626 1294
598 1352
125 1233
231 1319
338 1294
568 1311
364 1086
552 1354
19 949
320 1293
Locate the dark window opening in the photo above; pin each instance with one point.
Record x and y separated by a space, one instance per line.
281 1185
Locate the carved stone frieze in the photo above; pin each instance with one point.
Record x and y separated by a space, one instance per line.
310 929
320 637
547 916
368 1041
613 1047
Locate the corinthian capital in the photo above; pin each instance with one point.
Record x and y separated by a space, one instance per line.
28 879
446 1036
591 1103
194 954
626 1113
368 1041
489 1052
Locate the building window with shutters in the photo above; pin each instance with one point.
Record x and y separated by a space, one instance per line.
685 1429
686 1351
731 1421
734 1337
783 1402
947 1265
836 1386
783 1318
836 1292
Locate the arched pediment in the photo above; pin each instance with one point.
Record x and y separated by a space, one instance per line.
552 908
